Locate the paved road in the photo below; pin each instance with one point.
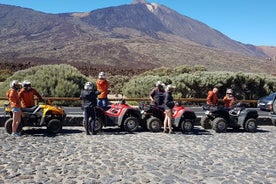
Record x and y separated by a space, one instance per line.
202 157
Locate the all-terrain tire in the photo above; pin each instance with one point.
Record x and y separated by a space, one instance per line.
98 125
54 126
154 124
205 122
8 126
250 125
219 125
187 125
274 106
131 124
273 122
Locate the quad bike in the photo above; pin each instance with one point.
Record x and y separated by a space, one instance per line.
119 114
273 112
153 117
46 114
219 118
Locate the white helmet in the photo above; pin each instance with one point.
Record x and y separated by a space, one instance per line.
229 91
88 86
170 87
26 83
159 83
102 75
15 84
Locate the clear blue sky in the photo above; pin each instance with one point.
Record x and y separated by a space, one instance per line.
247 21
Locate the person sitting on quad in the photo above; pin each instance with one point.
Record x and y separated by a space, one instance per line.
212 98
89 102
102 86
229 99
14 101
157 94
27 94
169 104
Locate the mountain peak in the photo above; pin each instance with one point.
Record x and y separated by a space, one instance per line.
139 1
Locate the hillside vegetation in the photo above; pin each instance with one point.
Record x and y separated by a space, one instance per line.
191 82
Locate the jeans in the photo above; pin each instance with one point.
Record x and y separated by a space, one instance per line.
102 102
89 113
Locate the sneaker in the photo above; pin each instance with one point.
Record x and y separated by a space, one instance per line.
16 134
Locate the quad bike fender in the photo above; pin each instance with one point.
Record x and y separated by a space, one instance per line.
220 113
246 114
51 110
183 114
100 113
129 113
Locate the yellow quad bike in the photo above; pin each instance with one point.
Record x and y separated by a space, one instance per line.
40 115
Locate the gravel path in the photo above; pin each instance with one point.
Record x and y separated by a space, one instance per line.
143 157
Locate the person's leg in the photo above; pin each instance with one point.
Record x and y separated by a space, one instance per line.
165 122
105 103
85 120
16 121
93 119
100 102
169 115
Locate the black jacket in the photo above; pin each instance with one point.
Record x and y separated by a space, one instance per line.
89 98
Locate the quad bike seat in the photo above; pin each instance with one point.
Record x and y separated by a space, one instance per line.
31 109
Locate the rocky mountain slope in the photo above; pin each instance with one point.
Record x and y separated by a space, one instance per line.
137 37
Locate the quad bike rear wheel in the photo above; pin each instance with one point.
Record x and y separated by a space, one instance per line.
250 125
98 125
187 126
131 124
219 125
205 122
154 124
54 126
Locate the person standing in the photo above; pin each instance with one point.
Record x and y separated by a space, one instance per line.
212 98
14 101
169 104
27 94
89 102
102 86
229 99
157 94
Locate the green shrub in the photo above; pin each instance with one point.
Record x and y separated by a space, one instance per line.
4 74
50 80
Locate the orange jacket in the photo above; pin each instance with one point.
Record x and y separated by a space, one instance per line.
228 101
212 98
13 98
27 97
102 86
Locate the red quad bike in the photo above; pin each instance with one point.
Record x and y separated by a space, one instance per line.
153 117
119 114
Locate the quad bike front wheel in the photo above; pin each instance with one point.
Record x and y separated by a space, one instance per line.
250 125
219 125
131 124
54 126
205 122
8 126
154 124
187 126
